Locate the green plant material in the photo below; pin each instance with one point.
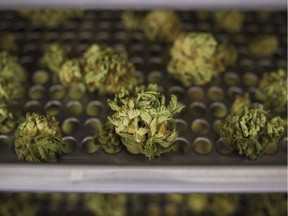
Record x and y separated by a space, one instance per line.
107 204
268 204
223 204
71 72
240 102
108 70
161 25
7 41
272 91
107 138
10 207
144 122
12 77
50 18
132 20
197 203
229 20
192 58
7 121
263 45
250 130
38 139
54 56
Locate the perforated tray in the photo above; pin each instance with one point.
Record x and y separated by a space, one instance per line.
198 124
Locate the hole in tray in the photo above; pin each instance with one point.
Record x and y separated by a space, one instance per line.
70 145
33 106
36 92
91 125
233 91
202 146
231 79
4 142
73 108
218 110
181 126
53 107
177 90
57 92
222 148
271 148
155 77
94 108
76 91
215 93
70 126
250 79
216 126
40 77
88 145
181 145
200 127
197 109
196 93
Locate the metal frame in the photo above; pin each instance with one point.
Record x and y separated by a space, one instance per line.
147 4
141 179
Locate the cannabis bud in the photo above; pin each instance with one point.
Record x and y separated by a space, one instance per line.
250 130
162 25
50 17
38 139
272 90
144 122
12 77
54 56
240 102
196 58
158 25
263 45
71 72
230 21
107 138
7 121
108 70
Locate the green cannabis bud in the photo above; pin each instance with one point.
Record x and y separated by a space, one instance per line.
54 56
50 18
157 25
7 41
107 70
71 72
7 121
250 130
162 25
272 90
38 139
240 102
107 138
144 122
12 77
230 21
196 58
263 45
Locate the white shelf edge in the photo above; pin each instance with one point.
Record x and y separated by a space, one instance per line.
147 4
139 179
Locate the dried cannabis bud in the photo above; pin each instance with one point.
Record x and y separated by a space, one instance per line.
54 56
12 77
240 102
7 41
107 204
158 25
162 25
144 122
230 21
272 90
71 72
196 58
7 121
263 45
107 138
250 130
50 17
107 70
38 139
